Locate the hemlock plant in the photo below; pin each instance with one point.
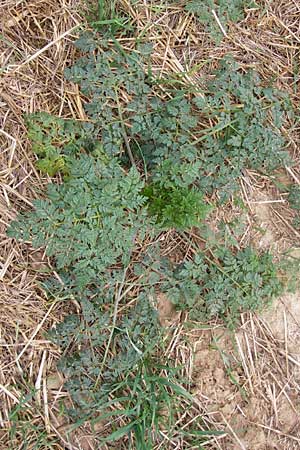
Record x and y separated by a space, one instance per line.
224 285
226 11
134 169
294 201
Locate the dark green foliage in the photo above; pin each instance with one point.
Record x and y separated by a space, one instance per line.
155 130
131 377
248 116
134 168
141 398
105 78
294 197
226 10
225 286
104 16
91 221
175 207
23 425
296 221
135 337
245 114
55 140
159 134
100 10
294 201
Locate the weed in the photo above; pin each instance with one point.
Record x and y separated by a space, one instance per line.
90 222
55 140
175 207
294 201
224 285
25 428
242 108
245 113
102 15
141 397
135 167
296 222
226 11
294 197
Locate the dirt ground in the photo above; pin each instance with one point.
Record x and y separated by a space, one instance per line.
248 381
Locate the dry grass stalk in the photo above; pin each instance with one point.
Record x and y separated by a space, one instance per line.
35 46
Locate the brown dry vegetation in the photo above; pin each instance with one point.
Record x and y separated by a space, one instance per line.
247 383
